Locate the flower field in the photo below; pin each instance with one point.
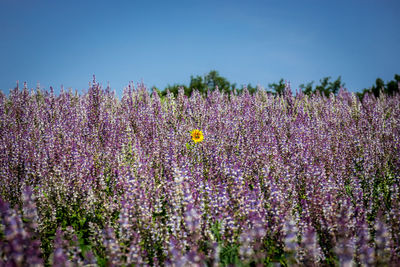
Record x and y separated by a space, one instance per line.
216 180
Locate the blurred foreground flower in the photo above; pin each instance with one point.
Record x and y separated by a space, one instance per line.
197 135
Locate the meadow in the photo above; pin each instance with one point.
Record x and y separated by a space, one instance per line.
206 180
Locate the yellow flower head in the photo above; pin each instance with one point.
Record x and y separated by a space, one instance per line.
197 135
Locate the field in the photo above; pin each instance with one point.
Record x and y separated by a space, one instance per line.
296 180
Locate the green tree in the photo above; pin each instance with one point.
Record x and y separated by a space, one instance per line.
325 87
214 80
251 89
379 86
308 88
210 81
279 88
174 89
198 84
390 88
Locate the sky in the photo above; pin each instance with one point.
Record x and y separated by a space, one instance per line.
63 43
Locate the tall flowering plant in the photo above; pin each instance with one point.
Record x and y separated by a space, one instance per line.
221 179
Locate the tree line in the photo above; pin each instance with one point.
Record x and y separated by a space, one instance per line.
213 81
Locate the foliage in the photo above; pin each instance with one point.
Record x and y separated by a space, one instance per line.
279 88
325 87
209 82
213 80
390 88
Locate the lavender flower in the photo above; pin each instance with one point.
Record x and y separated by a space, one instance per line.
308 180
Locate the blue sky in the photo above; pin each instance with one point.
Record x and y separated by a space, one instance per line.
165 42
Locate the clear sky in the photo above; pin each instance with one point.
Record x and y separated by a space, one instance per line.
165 42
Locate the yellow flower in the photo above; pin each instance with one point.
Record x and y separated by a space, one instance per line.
197 135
